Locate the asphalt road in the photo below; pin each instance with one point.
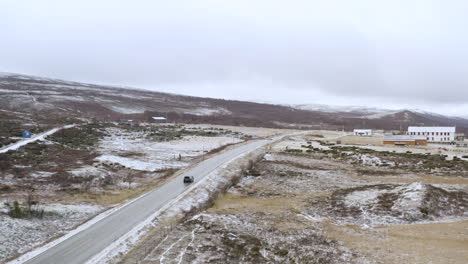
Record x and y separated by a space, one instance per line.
89 242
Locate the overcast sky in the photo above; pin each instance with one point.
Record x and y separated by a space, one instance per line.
391 54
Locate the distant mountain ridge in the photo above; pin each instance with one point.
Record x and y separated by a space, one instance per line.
52 99
364 111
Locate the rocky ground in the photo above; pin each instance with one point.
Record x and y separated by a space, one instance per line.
321 207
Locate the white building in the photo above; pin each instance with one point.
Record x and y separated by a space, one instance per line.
434 134
362 132
159 119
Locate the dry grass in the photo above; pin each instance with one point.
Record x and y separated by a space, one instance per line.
435 243
107 198
236 203
424 178
112 197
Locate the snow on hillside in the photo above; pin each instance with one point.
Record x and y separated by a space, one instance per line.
127 110
363 111
208 111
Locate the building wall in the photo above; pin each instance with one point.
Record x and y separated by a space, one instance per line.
421 142
411 142
434 134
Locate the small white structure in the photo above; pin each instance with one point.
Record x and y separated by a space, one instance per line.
160 119
434 134
362 132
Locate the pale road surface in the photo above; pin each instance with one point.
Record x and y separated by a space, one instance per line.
37 137
84 245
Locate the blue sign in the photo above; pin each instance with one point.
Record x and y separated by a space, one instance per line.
26 134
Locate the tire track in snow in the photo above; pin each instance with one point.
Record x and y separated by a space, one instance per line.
182 254
161 258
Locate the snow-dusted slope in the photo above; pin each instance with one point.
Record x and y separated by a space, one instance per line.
30 93
339 109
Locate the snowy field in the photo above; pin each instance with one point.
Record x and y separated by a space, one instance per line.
146 155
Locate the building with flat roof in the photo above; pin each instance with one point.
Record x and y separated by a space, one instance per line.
403 140
459 137
362 132
159 119
434 134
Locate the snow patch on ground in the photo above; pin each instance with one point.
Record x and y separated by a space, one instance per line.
20 235
41 174
361 198
88 171
389 204
411 197
157 155
370 160
136 164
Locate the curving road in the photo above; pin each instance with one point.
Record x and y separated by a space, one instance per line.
85 244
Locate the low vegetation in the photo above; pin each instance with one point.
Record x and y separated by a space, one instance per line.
413 161
80 137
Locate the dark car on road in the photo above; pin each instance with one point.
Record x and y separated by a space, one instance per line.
188 179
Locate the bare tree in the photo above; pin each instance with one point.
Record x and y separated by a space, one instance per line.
30 200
